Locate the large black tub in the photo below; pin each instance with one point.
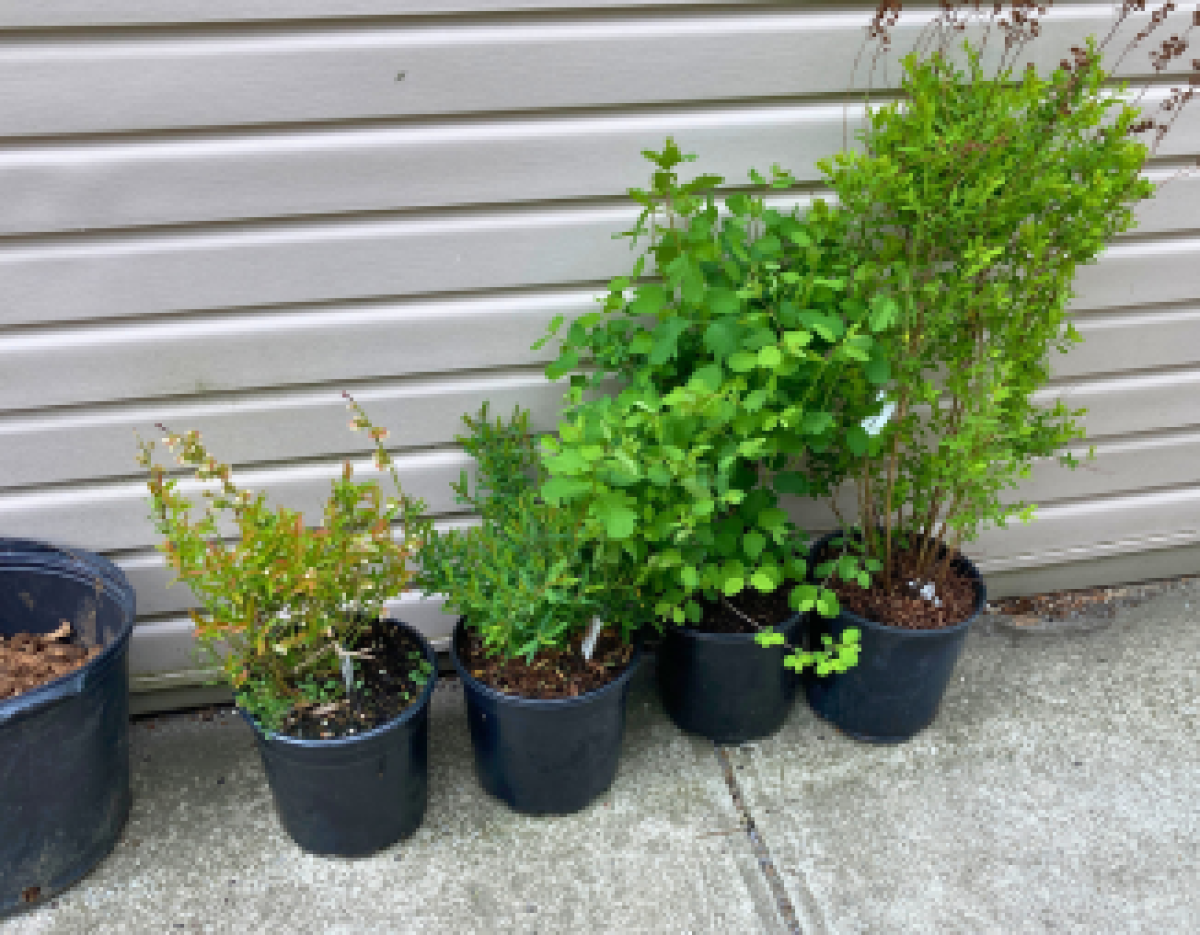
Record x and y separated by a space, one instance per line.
64 747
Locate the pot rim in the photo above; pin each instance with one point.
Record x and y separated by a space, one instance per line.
631 666
339 743
72 564
980 601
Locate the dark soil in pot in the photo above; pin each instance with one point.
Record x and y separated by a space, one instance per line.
354 794
714 678
553 673
549 755
392 670
30 660
902 605
904 667
64 743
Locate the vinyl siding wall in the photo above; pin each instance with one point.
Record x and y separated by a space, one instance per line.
220 213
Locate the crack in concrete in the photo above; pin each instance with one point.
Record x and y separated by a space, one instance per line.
762 853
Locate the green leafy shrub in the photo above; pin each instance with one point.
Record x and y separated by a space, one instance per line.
730 366
282 603
972 205
522 578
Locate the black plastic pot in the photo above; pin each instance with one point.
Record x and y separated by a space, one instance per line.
64 747
896 688
545 756
353 796
724 686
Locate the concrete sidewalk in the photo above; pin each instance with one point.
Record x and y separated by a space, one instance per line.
1059 791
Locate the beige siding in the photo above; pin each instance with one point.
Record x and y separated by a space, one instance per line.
220 214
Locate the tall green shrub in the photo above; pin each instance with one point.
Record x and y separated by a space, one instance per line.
702 386
972 205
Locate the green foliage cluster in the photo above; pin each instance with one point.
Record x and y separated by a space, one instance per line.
522 578
972 205
731 365
283 603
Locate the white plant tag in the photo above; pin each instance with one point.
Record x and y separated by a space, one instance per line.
874 424
347 671
589 641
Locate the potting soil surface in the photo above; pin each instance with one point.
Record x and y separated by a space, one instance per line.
950 600
746 612
553 673
392 678
30 660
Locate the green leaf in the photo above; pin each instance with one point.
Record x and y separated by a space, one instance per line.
709 378
753 543
771 518
743 361
619 521
567 361
878 370
827 604
857 440
792 482
733 585
762 581
666 340
769 638
770 357
884 312
650 300
796 341
720 338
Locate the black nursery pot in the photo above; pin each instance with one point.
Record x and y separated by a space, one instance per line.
545 756
724 686
64 747
895 689
353 796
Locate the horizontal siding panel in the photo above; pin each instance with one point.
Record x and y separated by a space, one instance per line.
55 448
88 186
223 79
1141 273
97 185
232 352
88 13
1132 339
1089 528
1073 531
115 516
1122 464
98 277
1105 563
1140 403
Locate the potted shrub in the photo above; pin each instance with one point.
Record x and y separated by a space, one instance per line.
544 643
972 203
65 621
338 697
728 366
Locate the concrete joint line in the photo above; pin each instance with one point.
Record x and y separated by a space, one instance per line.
761 852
